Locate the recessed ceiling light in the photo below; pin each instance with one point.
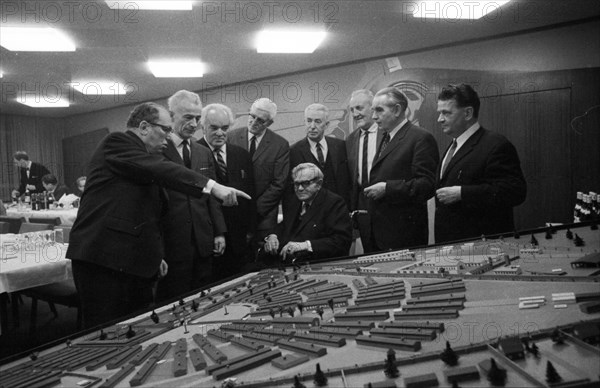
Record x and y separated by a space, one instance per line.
35 39
37 101
453 10
289 42
176 69
95 88
174 5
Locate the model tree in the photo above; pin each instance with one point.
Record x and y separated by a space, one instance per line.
535 350
391 370
297 383
557 337
320 379
552 375
496 376
320 311
449 356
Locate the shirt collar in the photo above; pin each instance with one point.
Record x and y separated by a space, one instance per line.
397 128
176 139
371 129
467 134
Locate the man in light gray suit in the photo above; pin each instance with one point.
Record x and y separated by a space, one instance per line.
270 158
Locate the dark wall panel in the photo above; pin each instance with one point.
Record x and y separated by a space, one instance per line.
77 151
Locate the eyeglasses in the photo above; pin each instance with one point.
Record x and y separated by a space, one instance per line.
165 128
304 184
258 120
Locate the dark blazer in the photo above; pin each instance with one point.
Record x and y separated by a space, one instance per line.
488 169
241 219
187 214
60 191
407 165
326 224
336 154
36 172
117 225
352 143
271 170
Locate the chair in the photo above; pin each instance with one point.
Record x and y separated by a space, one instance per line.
39 220
63 293
27 227
4 227
15 223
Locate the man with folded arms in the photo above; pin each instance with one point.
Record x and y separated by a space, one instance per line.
116 244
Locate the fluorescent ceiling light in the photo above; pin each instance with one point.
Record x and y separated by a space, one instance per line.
289 42
173 5
453 10
176 69
96 88
1 74
36 101
35 39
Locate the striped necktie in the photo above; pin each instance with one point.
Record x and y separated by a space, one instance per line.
221 166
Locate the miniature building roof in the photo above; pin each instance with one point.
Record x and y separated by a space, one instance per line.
511 345
592 258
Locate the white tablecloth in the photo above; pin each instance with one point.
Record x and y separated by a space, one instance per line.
67 216
26 263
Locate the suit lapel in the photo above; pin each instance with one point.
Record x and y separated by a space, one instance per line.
331 154
464 150
263 145
395 142
171 153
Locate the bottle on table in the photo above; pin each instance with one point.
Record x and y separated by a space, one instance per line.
27 197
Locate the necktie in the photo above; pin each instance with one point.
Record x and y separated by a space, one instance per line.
305 207
186 154
221 166
252 146
365 161
449 156
320 155
384 142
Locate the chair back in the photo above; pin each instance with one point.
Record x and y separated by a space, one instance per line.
4 227
27 227
14 222
41 220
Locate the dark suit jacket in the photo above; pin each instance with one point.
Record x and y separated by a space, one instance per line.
117 225
241 219
188 215
326 224
352 143
407 165
60 191
488 169
336 153
36 172
271 170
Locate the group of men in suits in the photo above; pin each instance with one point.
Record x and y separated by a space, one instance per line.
169 187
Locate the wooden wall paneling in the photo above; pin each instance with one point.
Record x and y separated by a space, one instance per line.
77 151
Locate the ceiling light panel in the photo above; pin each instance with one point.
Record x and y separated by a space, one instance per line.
35 39
37 101
176 69
452 10
153 5
289 42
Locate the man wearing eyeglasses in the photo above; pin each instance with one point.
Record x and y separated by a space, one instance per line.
316 223
270 158
194 227
116 243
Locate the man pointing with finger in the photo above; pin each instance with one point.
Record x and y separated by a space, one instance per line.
116 245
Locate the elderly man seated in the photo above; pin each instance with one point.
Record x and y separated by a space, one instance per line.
316 223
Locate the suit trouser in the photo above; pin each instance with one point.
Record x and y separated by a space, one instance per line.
364 226
107 295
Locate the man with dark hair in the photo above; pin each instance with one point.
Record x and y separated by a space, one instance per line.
31 174
234 168
194 227
116 244
479 180
51 186
316 223
402 177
